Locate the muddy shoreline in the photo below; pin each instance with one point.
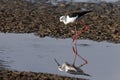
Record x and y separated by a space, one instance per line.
19 16
17 75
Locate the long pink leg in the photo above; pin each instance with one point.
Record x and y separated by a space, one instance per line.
77 34
74 57
75 41
86 27
75 46
76 54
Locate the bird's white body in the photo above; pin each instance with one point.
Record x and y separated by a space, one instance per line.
67 19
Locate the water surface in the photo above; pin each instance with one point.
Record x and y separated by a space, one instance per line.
26 52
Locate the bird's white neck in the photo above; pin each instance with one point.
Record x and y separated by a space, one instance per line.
66 20
69 19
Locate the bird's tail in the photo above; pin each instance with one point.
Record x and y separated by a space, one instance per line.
87 11
56 62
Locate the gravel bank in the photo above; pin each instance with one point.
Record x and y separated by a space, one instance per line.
16 75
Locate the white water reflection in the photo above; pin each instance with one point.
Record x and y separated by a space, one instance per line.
26 52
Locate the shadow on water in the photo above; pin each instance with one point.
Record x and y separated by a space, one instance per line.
84 45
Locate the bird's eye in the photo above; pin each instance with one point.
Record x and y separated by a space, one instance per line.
62 18
59 66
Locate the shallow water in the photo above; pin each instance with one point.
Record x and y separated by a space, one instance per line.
26 52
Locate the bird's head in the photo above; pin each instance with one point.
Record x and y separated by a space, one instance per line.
62 18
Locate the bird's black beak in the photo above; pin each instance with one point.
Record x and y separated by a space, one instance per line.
56 62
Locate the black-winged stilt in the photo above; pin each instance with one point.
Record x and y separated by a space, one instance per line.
70 68
75 18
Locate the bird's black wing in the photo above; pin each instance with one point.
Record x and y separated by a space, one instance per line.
79 14
73 14
83 13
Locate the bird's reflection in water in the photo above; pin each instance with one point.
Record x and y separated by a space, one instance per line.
71 69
